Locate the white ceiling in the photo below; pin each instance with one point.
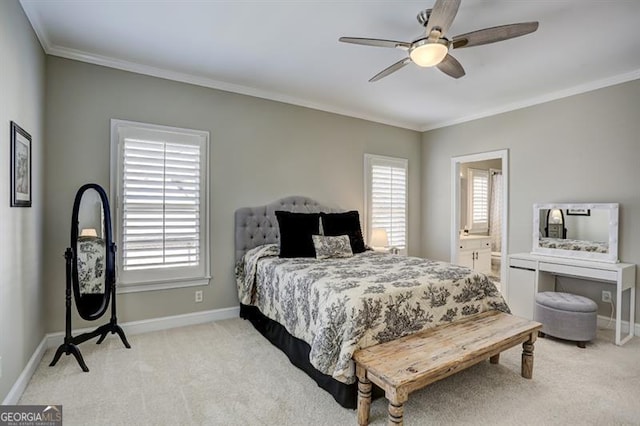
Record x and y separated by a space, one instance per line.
289 51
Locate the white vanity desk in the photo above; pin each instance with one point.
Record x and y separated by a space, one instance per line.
533 273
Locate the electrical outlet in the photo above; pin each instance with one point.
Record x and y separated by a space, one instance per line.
198 296
606 296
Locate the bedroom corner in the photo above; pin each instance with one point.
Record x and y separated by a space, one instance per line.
22 293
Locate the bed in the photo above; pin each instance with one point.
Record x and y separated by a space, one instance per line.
576 245
319 311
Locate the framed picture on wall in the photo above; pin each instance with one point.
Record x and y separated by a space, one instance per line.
578 212
20 167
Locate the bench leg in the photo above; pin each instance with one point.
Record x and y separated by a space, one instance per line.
364 398
395 414
495 359
527 357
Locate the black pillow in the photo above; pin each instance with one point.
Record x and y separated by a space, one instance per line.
348 223
296 230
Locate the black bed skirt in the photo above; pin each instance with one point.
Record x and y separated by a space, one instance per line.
298 353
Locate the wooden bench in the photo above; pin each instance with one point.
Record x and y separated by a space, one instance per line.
412 362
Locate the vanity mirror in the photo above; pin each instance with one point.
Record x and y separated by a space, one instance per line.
582 231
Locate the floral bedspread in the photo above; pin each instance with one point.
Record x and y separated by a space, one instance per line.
340 305
578 245
91 265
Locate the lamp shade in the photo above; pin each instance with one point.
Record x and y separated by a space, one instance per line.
88 232
379 237
556 216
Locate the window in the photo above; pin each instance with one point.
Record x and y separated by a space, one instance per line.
386 198
478 214
159 181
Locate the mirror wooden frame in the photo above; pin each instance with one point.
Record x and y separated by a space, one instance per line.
610 257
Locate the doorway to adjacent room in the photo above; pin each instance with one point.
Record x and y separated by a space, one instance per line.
479 221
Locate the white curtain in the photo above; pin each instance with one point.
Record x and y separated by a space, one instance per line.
495 220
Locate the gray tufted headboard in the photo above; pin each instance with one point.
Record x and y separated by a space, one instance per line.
255 226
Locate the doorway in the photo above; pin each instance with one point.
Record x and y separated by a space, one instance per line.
479 227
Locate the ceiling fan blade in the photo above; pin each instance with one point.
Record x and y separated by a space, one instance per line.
493 34
451 67
442 15
376 42
389 70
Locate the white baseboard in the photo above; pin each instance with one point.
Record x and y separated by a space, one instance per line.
165 323
156 324
52 340
23 380
605 322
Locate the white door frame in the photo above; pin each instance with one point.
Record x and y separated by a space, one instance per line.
503 155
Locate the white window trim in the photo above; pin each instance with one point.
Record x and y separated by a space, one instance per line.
472 226
174 282
369 160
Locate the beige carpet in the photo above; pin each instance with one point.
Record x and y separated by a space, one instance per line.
225 373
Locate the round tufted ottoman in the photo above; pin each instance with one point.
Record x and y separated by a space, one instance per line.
566 316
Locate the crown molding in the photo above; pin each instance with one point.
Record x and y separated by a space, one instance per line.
32 15
565 93
278 97
138 68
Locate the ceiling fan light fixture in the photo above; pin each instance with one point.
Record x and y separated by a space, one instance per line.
425 53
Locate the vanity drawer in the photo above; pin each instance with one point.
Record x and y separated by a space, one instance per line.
475 243
577 271
522 264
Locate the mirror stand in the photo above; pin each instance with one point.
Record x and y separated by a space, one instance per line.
112 326
90 271
69 346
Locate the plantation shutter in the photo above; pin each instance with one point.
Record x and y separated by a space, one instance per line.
479 189
388 197
160 204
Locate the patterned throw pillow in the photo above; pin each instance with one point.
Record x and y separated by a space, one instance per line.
327 247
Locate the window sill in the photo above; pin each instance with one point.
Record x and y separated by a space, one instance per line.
390 250
161 285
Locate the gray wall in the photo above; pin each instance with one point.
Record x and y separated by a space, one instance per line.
584 148
260 151
21 100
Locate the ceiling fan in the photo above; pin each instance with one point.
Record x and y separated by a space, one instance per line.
432 48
